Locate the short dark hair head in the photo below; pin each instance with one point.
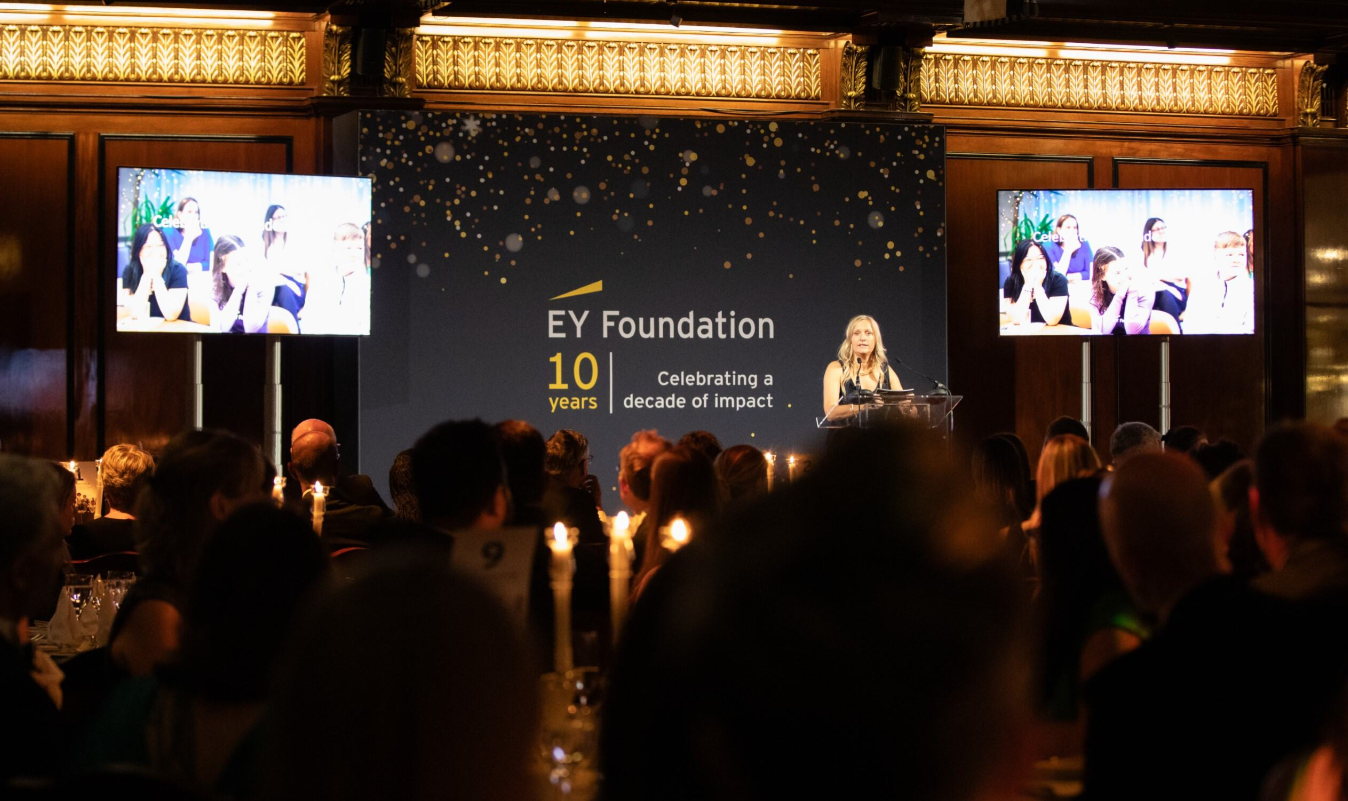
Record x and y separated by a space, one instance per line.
242 602
1001 478
1216 457
173 516
1183 439
32 545
456 470
360 665
704 442
1067 425
1132 438
1301 472
65 481
524 452
566 450
723 633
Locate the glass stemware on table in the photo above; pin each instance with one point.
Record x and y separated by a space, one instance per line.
569 732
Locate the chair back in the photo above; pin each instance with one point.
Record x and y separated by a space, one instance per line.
280 321
347 562
122 561
1163 323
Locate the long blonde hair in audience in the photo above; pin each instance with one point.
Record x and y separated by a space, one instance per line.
877 358
1064 458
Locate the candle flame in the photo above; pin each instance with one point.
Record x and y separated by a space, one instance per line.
770 456
73 466
279 482
621 523
791 460
559 534
319 490
678 531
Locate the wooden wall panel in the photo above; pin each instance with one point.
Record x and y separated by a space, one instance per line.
1217 382
1008 384
35 264
147 375
1324 175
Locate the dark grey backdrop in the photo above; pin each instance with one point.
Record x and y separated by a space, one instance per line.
481 219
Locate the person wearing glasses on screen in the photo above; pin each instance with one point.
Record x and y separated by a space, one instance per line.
1037 293
191 244
1119 306
1069 254
242 289
153 283
292 286
1172 293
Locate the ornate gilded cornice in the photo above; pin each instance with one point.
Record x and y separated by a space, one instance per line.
151 55
663 69
1310 94
908 97
1096 85
336 61
852 76
398 52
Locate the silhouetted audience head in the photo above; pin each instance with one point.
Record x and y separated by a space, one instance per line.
683 484
1067 425
66 495
743 471
704 442
459 476
408 682
401 489
1158 522
1301 488
1001 479
568 456
524 452
918 623
201 477
313 457
1064 458
242 602
1130 439
32 543
1231 497
1216 457
1183 439
634 468
126 468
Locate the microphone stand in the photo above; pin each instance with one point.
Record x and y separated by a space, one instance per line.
937 385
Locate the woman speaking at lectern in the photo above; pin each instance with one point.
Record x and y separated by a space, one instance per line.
861 363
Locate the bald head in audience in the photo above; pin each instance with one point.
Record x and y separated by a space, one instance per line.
1159 524
313 457
307 426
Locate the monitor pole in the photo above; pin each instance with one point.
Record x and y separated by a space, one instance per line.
195 395
1086 387
271 405
1165 385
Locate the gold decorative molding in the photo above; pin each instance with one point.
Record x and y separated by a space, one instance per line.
908 97
336 61
398 60
1091 85
853 76
664 69
151 55
1310 94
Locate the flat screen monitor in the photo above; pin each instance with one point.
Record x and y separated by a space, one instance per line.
1081 262
242 253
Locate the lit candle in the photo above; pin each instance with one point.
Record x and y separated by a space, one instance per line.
619 569
98 501
772 466
561 572
791 468
676 534
73 467
320 506
278 490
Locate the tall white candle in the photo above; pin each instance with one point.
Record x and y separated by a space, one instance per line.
320 506
791 468
562 570
278 490
772 466
619 569
98 501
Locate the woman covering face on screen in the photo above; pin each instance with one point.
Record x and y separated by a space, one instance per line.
292 286
154 285
861 364
1172 291
1069 254
1037 293
242 289
1120 308
190 242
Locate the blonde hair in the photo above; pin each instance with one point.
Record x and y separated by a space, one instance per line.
636 458
877 358
1064 458
1229 239
126 468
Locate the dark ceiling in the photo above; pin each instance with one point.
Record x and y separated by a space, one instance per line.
1285 26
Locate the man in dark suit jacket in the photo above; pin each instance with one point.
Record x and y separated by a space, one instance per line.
32 550
346 521
357 489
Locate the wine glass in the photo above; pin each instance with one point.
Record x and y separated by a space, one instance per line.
568 736
79 589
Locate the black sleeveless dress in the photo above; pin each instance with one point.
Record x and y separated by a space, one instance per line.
851 385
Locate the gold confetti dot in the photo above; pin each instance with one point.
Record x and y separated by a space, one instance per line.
726 265
777 141
749 160
748 220
720 128
931 174
857 263
815 188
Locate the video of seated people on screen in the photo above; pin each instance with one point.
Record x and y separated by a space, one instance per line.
1123 261
242 253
